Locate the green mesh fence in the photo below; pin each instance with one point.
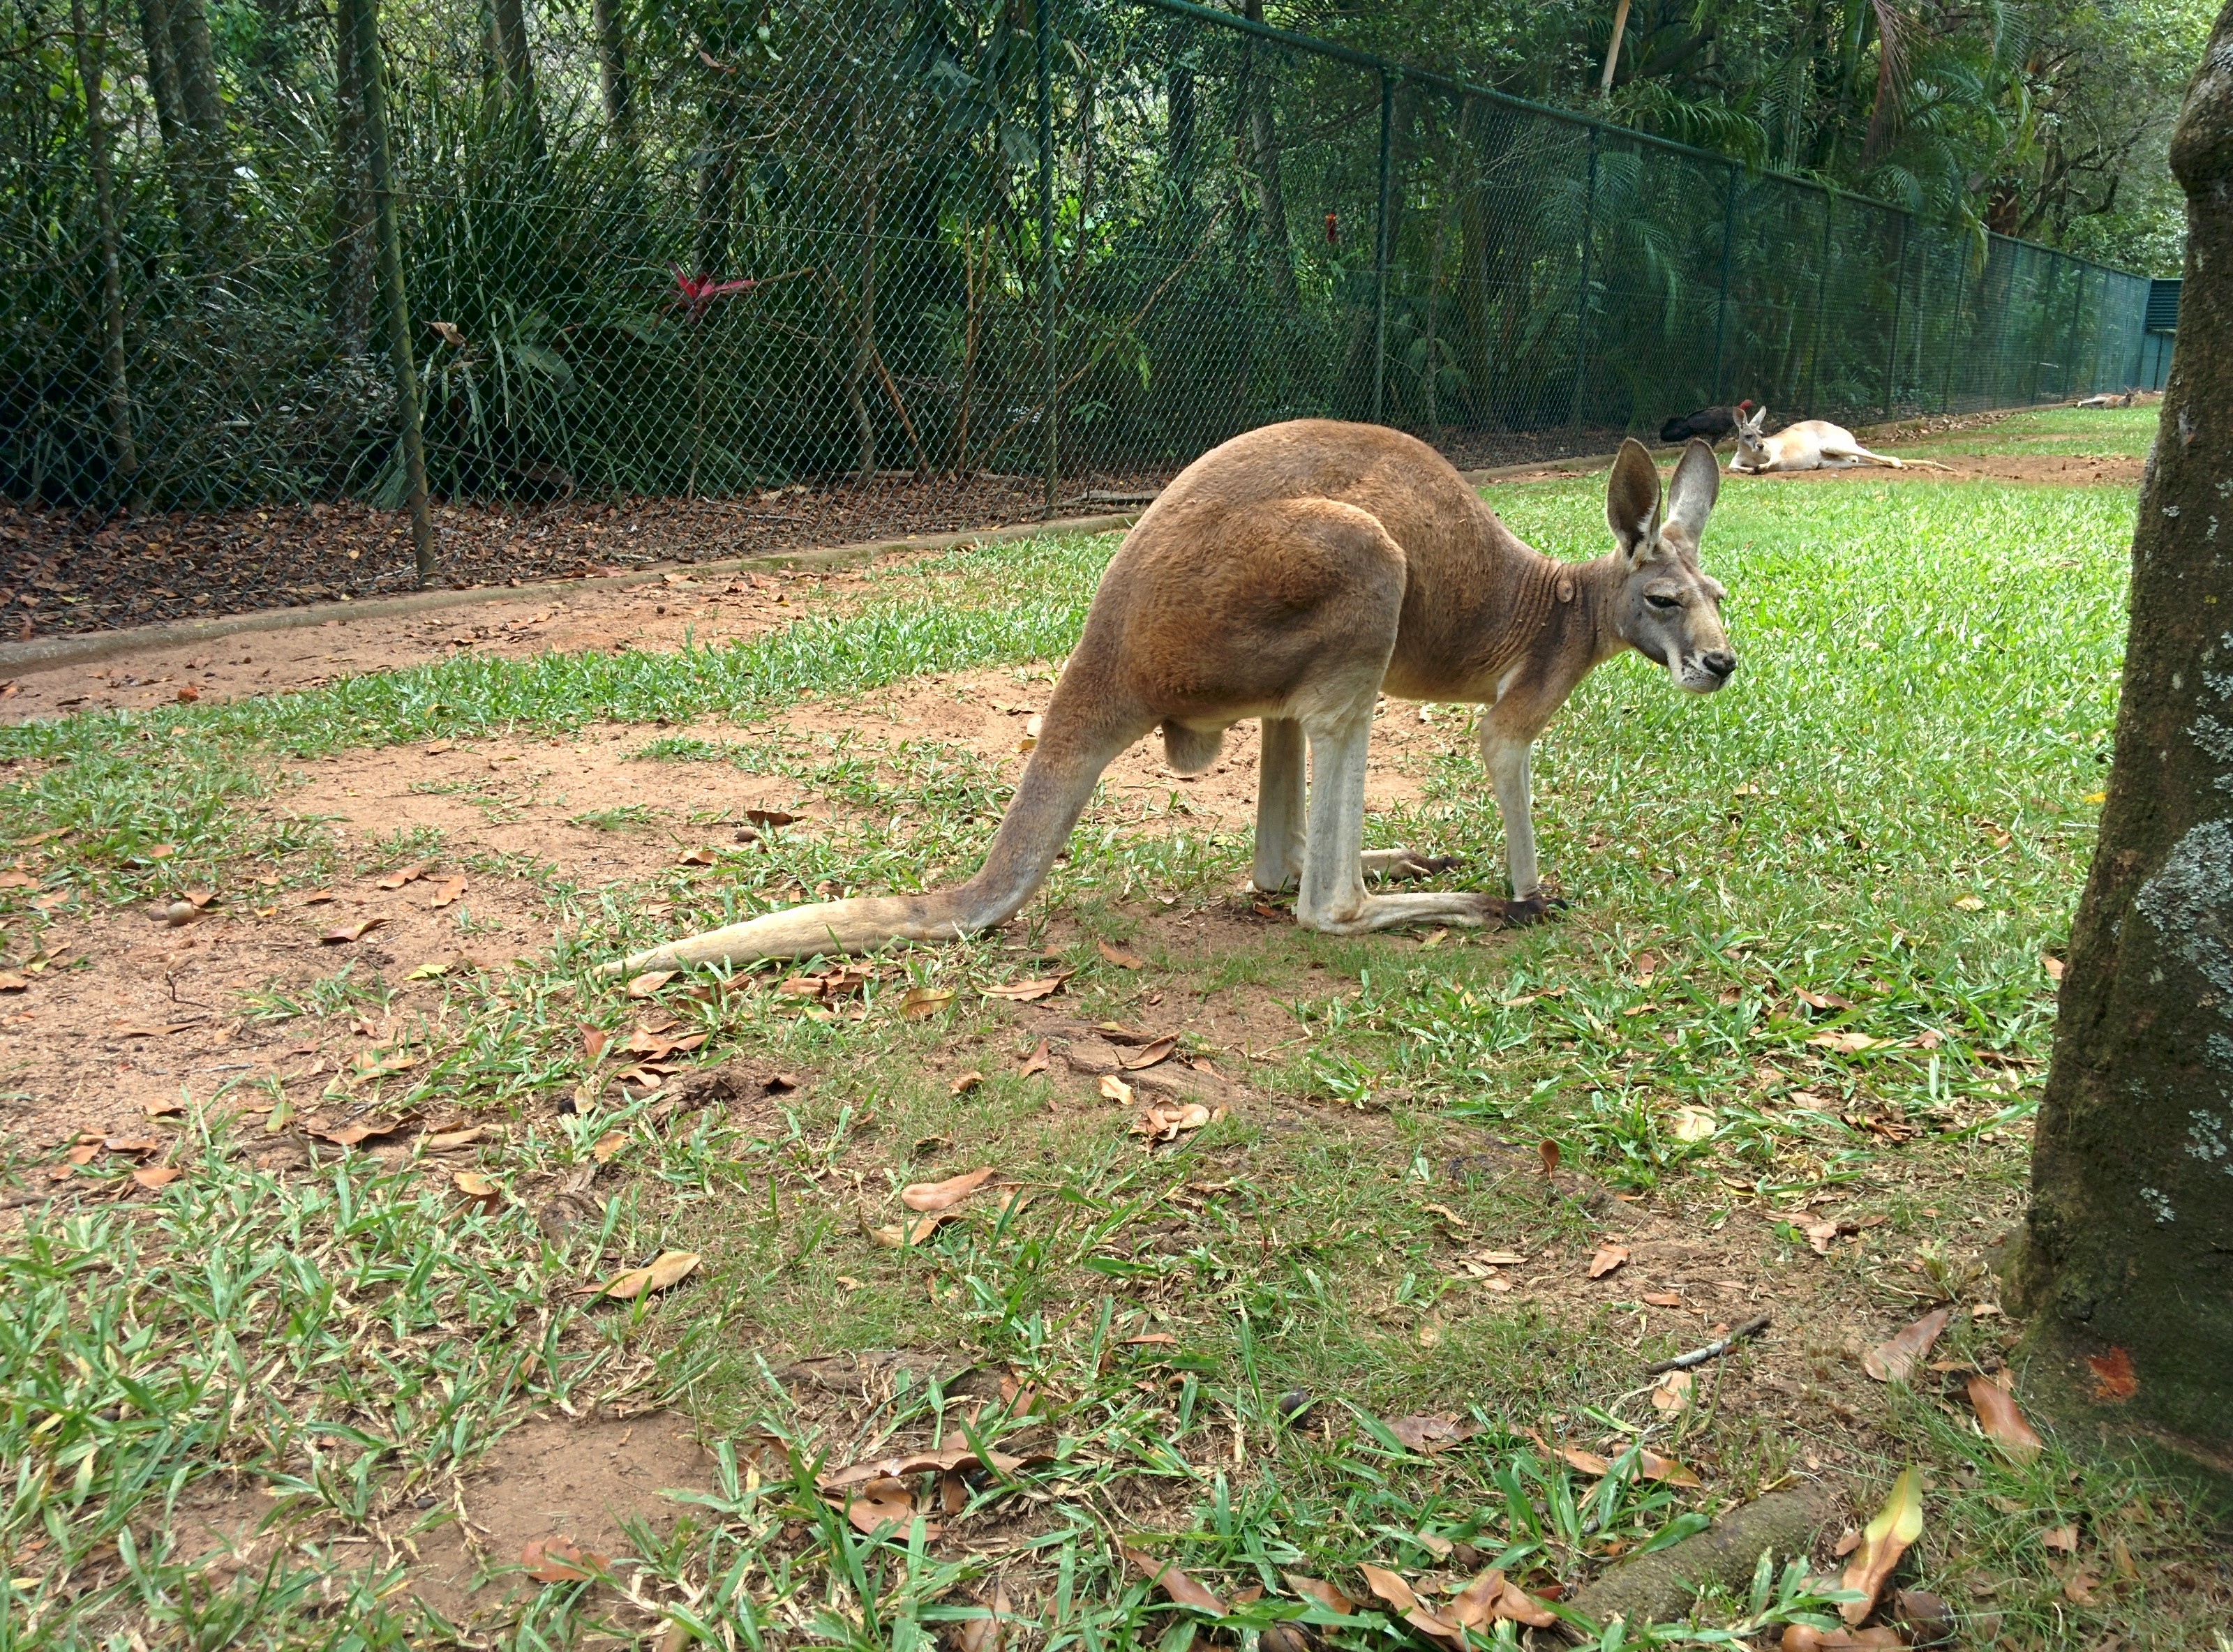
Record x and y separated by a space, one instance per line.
688 249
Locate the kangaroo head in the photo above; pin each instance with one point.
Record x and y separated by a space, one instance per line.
1665 607
1751 449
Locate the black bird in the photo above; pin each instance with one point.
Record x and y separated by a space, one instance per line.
1712 423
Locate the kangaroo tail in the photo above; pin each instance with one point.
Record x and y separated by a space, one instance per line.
1056 785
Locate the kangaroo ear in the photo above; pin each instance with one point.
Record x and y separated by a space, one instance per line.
1758 419
1632 499
1690 497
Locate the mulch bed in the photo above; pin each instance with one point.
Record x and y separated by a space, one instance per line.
62 572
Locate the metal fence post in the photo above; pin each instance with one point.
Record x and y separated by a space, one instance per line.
2077 313
1043 40
1961 291
1722 309
1380 273
1582 291
364 29
1899 303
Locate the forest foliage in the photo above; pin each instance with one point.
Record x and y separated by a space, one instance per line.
703 246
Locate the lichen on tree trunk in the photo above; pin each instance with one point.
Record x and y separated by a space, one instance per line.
2129 1236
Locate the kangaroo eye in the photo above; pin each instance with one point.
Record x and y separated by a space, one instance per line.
1659 602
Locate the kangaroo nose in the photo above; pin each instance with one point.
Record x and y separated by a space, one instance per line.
1720 662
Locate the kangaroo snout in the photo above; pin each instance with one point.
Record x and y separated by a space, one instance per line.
1719 662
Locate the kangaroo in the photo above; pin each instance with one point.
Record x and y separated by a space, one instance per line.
1810 445
1292 574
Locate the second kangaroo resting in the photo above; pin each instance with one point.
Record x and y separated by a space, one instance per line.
1292 574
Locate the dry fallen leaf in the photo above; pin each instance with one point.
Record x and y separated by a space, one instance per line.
2063 1539
918 1002
1548 1151
1321 1591
1846 1043
1114 1089
1028 992
561 1560
2052 965
447 893
349 1136
609 1146
1148 1055
1429 1434
880 1503
1695 1124
1397 1593
130 1030
1662 1300
1891 1362
156 1175
1799 1638
474 1185
1672 1393
1182 1590
669 1268
2002 1420
650 981
1168 1121
2114 1380
932 1196
11 982
967 1082
1119 957
2077 1588
695 857
1883 1541
1608 1258
408 874
985 1634
346 932
914 1233
1036 1061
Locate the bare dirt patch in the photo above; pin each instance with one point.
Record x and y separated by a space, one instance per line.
132 1014
463 1549
551 1479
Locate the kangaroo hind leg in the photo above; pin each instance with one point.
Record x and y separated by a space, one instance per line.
1334 900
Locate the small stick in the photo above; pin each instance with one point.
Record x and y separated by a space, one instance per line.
1711 1351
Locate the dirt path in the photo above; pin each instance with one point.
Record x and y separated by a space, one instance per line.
593 615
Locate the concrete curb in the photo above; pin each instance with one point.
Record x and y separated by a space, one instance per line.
49 654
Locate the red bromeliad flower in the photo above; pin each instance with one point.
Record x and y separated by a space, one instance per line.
698 292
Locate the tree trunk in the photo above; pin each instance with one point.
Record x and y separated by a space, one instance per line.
125 451
613 72
1178 134
1264 159
171 122
350 251
508 45
208 166
2131 1228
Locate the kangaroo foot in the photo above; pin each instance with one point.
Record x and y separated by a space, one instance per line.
1534 909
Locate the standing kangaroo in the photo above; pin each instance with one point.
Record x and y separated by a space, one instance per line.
1810 445
1292 574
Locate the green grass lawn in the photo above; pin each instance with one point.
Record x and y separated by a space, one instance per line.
1801 971
2059 430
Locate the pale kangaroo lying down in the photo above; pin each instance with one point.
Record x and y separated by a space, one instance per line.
1292 574
1810 445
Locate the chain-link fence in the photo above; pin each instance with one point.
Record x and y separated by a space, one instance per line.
696 248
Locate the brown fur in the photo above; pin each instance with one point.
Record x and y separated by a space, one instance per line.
1292 574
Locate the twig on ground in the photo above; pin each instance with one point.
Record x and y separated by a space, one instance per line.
1711 1351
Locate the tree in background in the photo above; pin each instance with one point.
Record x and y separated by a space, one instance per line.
2129 1264
2048 122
